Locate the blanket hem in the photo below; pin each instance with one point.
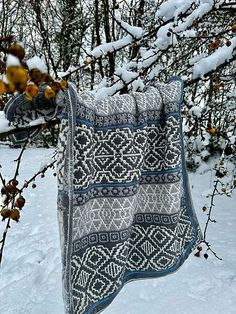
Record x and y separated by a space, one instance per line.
129 276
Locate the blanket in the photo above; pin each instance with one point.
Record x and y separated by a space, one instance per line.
124 204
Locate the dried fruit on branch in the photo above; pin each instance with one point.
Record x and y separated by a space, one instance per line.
3 87
233 28
20 202
17 74
35 75
15 214
5 213
64 84
55 86
31 91
212 131
11 189
49 93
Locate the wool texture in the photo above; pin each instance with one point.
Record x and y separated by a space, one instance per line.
124 203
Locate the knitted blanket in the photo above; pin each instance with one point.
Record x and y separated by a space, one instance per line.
124 204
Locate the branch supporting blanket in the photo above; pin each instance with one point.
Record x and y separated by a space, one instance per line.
124 205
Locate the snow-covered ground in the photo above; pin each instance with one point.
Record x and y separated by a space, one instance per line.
30 276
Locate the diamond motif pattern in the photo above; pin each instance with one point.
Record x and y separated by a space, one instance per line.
131 216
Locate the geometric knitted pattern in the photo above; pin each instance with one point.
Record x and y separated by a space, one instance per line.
124 205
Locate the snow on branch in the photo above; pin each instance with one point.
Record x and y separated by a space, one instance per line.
170 8
6 130
105 48
177 19
108 91
203 8
125 76
134 31
213 61
36 63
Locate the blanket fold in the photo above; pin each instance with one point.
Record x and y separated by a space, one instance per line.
124 204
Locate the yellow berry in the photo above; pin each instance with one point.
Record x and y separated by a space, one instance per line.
28 96
215 44
16 74
49 93
3 87
20 86
221 85
64 84
31 91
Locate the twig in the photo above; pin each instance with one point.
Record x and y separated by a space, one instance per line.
18 160
19 192
40 172
210 209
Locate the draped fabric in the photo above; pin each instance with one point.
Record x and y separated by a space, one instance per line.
124 205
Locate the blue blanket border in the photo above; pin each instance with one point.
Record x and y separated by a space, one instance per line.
136 275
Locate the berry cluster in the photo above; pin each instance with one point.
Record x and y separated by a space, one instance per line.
10 195
17 76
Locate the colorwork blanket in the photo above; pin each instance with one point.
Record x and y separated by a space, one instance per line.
124 205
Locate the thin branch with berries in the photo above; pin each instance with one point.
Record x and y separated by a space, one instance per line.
14 201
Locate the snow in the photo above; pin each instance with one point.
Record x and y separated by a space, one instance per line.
171 8
155 72
196 111
232 139
31 270
36 63
103 49
12 61
204 7
40 120
197 58
231 94
189 33
148 58
4 123
67 72
163 40
136 32
211 62
125 75
138 85
103 92
205 153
